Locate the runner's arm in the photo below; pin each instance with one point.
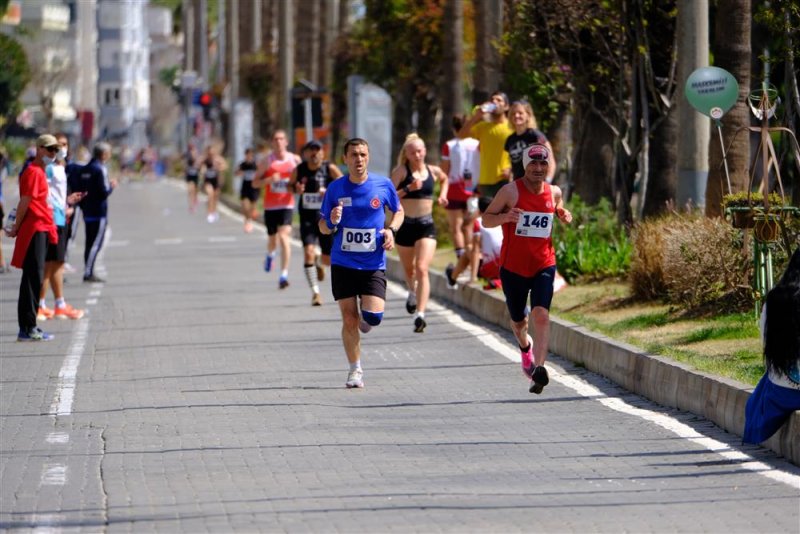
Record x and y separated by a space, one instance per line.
334 171
502 209
444 184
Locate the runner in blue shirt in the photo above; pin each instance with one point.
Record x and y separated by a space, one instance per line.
353 211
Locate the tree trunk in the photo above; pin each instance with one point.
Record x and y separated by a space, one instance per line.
692 27
426 125
663 170
732 54
339 98
307 35
488 29
403 108
452 87
594 158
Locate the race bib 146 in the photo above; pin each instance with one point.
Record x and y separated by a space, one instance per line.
534 224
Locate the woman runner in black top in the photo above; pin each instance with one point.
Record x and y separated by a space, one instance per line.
416 239
192 173
212 169
248 195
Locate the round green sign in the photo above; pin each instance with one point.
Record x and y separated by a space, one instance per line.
712 91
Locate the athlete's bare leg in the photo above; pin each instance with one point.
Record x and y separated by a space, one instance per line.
406 255
455 220
309 254
351 338
424 250
284 240
541 334
520 330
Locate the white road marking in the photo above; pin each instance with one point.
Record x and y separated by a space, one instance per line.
222 239
95 293
65 390
47 523
54 475
57 437
168 241
91 302
585 389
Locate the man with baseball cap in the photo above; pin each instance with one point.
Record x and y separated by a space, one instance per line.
33 228
310 180
526 209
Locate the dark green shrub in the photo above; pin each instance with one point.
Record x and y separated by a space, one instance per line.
594 245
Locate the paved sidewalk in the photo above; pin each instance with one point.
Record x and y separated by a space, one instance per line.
198 397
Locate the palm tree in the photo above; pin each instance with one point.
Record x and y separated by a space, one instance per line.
488 30
453 67
732 52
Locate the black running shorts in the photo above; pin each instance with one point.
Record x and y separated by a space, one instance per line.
248 191
58 252
275 218
516 289
309 227
347 283
415 228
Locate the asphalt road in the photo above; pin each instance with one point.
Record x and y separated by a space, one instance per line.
196 396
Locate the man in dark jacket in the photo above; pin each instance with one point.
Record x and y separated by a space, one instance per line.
94 181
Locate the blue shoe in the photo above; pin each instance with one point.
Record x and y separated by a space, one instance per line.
283 283
268 263
35 334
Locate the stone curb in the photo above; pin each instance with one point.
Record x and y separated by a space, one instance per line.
661 380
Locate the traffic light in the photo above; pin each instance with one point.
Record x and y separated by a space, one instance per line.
205 103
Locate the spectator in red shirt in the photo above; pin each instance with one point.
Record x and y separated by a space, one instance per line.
33 228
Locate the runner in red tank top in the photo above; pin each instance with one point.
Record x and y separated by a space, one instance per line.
274 174
526 208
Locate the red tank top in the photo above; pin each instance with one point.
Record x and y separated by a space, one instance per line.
277 194
527 245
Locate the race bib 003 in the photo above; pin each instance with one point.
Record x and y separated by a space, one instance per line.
534 224
358 239
312 201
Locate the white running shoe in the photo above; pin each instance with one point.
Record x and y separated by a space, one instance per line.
355 379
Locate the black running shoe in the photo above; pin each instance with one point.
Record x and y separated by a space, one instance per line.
419 325
539 380
411 303
448 272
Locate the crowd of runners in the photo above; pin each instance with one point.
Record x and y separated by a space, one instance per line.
493 181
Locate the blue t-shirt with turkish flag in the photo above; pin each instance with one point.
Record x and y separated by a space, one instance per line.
358 242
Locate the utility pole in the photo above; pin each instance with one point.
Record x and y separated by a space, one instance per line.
188 77
201 24
694 128
255 45
221 37
285 62
233 87
188 34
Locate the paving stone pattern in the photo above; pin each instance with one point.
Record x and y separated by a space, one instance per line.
207 400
